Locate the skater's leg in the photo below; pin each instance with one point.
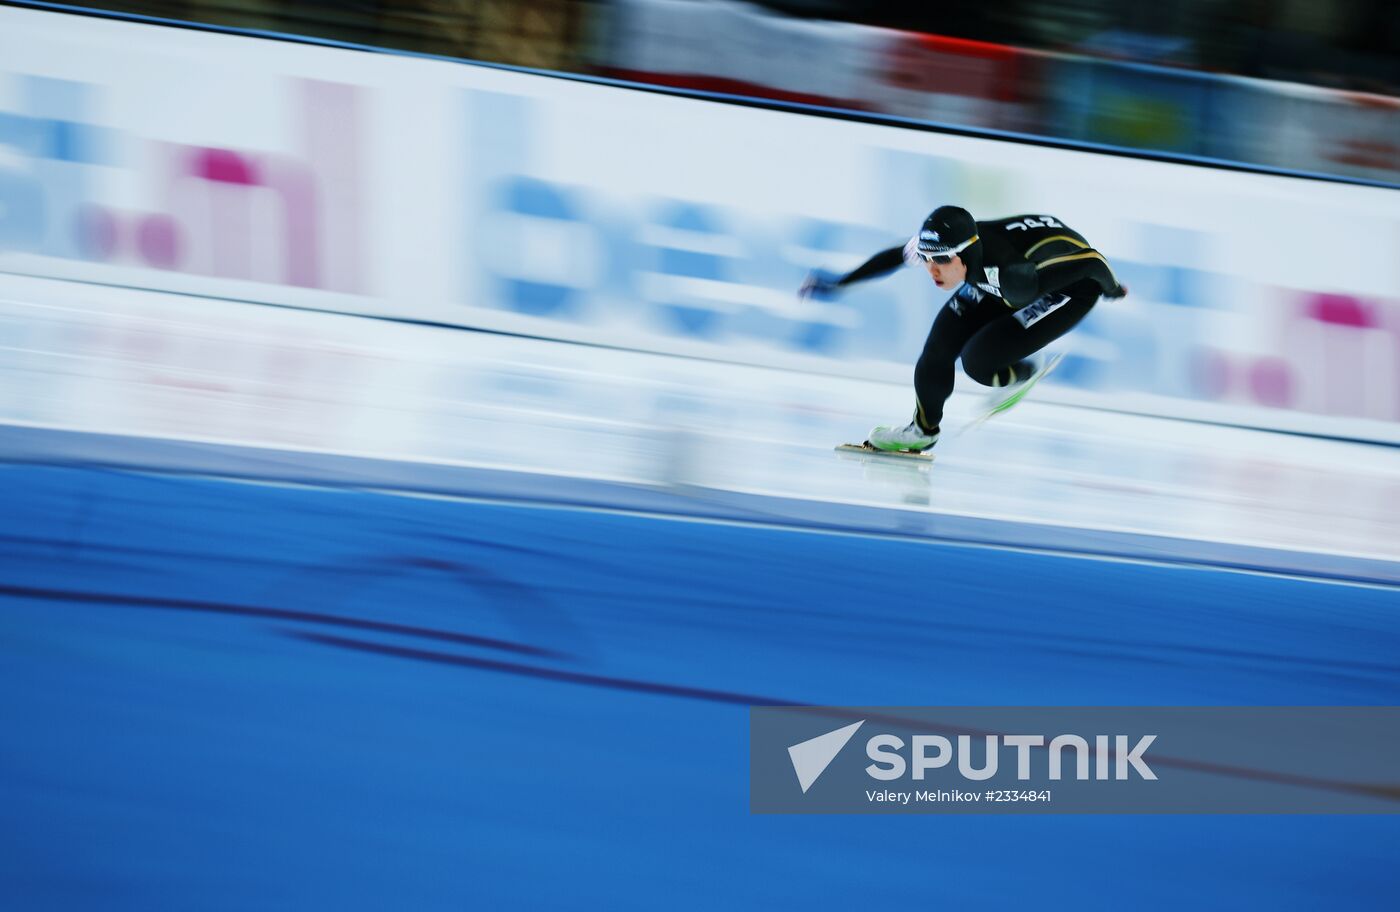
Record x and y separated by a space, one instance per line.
936 368
997 354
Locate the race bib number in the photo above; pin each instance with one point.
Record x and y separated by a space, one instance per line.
1039 309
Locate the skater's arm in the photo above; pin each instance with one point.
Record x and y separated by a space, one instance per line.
881 264
1024 281
821 284
1060 272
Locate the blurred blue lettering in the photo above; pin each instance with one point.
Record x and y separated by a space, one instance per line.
21 212
55 144
690 307
680 267
537 199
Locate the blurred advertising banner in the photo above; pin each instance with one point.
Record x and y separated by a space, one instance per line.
745 49
318 178
1140 107
1313 129
740 49
545 34
1301 128
951 80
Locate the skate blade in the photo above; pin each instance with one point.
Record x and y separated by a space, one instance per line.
866 450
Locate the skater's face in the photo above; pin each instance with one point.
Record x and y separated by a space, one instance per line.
947 276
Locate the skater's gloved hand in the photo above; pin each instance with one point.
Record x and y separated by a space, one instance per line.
1119 291
820 284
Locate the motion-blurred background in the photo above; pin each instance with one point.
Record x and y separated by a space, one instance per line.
1180 75
411 469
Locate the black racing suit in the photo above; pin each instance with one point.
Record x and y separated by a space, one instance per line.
1030 280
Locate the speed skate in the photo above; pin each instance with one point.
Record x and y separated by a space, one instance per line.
1003 402
865 449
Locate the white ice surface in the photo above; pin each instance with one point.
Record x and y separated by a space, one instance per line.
147 365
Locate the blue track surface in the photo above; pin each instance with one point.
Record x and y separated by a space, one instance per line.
224 695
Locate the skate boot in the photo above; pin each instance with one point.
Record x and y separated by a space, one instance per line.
910 438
